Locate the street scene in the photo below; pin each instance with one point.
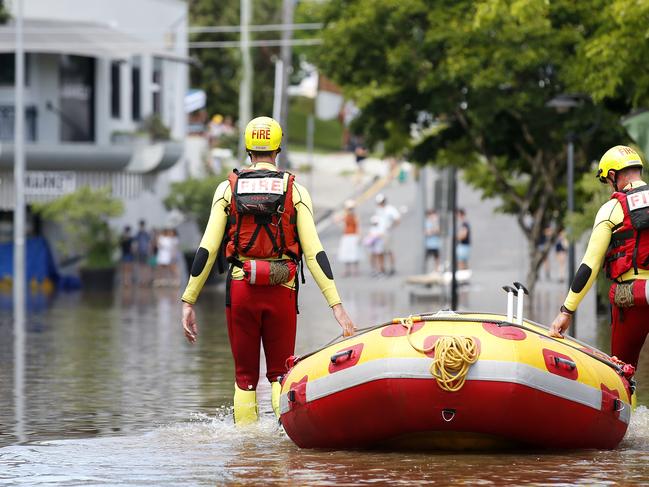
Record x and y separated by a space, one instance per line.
322 242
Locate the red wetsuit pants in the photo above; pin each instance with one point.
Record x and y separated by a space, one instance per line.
256 315
630 327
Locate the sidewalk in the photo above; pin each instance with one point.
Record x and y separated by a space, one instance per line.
334 177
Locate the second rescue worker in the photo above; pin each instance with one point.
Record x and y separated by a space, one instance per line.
266 220
620 240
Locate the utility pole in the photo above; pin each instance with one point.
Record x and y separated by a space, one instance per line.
245 88
277 89
19 281
310 130
453 208
286 54
571 209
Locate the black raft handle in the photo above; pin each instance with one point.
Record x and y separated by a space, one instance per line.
339 355
564 363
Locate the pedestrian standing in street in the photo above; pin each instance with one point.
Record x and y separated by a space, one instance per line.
561 249
360 154
127 256
153 255
432 231
266 219
463 240
142 253
167 259
389 217
620 239
348 250
374 242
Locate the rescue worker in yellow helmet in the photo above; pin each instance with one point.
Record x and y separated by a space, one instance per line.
265 220
619 241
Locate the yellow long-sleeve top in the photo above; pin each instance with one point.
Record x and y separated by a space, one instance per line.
308 236
609 216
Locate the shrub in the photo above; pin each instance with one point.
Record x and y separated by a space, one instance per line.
84 215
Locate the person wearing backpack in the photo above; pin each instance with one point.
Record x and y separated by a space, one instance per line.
620 243
262 220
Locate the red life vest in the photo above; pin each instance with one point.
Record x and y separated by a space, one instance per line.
262 223
629 246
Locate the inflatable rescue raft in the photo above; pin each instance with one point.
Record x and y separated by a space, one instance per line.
499 384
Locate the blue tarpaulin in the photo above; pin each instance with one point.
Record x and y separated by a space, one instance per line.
38 257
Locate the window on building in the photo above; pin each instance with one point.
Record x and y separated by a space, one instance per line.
76 107
135 93
157 90
8 68
156 87
115 90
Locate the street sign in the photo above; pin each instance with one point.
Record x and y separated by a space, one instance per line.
50 183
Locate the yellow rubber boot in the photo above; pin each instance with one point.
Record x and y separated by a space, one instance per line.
245 406
275 391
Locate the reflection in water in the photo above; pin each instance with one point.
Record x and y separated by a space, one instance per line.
19 332
114 395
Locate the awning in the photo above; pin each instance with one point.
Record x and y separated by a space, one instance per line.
140 156
84 39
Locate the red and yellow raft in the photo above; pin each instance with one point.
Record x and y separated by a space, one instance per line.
376 390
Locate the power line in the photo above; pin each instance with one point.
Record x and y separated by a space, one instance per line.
216 29
197 29
192 45
260 43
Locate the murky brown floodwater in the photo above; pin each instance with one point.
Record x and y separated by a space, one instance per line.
114 396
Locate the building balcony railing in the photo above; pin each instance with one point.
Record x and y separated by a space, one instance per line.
7 121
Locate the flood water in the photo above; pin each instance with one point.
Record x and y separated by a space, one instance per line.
114 396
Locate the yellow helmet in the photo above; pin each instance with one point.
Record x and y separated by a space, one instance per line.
263 134
617 158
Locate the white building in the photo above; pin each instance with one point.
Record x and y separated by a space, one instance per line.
96 71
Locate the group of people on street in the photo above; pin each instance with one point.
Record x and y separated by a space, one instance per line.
149 257
378 239
263 265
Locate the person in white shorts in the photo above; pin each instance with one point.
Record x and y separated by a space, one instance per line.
388 217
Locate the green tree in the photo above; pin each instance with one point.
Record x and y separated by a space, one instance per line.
614 57
192 197
472 79
4 15
219 70
84 215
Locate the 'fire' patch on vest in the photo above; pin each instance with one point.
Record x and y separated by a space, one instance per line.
260 185
638 200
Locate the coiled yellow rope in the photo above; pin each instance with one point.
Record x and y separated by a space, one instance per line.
454 355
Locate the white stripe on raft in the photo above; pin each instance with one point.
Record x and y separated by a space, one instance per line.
484 370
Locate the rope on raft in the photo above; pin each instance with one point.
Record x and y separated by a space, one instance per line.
453 357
